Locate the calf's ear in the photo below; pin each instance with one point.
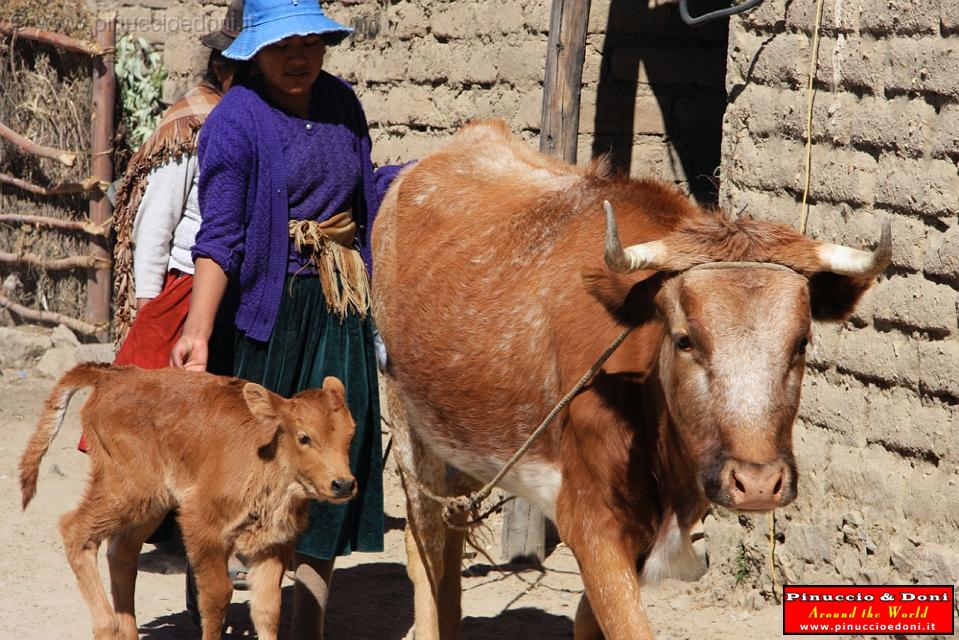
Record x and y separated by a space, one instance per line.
260 402
262 405
334 386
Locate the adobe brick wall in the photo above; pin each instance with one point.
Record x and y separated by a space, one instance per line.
653 89
174 27
878 433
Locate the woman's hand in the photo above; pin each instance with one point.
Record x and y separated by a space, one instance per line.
192 351
190 354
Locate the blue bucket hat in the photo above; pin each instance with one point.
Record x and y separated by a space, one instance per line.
266 22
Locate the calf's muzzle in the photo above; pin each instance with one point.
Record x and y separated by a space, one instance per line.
343 487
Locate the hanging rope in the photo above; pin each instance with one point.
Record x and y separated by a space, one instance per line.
803 220
454 506
810 93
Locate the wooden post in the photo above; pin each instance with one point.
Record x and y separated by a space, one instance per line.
564 78
524 527
99 282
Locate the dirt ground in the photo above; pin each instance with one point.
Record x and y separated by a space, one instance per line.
371 599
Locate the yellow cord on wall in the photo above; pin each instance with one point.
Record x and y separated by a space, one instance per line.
810 92
804 218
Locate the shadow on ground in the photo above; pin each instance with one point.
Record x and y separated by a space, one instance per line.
371 602
518 623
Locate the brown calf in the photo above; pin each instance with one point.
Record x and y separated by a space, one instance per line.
237 461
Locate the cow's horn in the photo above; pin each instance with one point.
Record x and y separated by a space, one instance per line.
845 261
648 255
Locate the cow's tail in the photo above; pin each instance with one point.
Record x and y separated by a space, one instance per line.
54 409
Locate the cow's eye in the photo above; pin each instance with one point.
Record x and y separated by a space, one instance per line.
683 343
802 344
304 439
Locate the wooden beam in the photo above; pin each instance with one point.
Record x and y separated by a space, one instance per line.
84 226
48 317
53 264
99 283
564 78
524 528
28 146
48 37
64 188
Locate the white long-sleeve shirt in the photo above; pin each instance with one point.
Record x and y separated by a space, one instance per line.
166 223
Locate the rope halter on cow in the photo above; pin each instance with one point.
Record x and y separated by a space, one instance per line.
651 256
655 255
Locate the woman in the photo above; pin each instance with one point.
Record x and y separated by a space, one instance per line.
158 215
288 193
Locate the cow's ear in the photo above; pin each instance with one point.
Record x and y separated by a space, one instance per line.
628 301
833 297
260 403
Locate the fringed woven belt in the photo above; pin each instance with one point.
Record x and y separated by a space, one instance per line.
329 247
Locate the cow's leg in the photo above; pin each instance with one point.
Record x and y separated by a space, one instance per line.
433 551
450 589
585 626
123 555
434 564
83 529
607 565
266 576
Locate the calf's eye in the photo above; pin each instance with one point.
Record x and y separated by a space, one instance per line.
683 343
303 439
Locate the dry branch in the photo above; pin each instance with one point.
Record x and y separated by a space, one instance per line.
48 317
28 146
61 264
89 184
56 223
48 37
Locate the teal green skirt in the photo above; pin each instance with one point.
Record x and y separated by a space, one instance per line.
309 343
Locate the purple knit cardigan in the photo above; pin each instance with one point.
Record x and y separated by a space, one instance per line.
244 199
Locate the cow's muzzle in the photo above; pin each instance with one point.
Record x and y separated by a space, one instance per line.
746 486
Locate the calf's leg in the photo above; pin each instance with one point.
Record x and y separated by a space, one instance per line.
214 591
209 560
123 555
266 576
83 529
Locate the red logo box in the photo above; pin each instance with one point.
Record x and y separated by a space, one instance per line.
872 610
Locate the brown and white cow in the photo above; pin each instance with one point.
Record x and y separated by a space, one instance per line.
497 288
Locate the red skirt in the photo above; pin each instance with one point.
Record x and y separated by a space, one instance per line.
156 328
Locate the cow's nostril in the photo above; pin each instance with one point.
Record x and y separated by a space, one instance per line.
779 485
739 485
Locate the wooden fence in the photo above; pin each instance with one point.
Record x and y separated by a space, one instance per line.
98 227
